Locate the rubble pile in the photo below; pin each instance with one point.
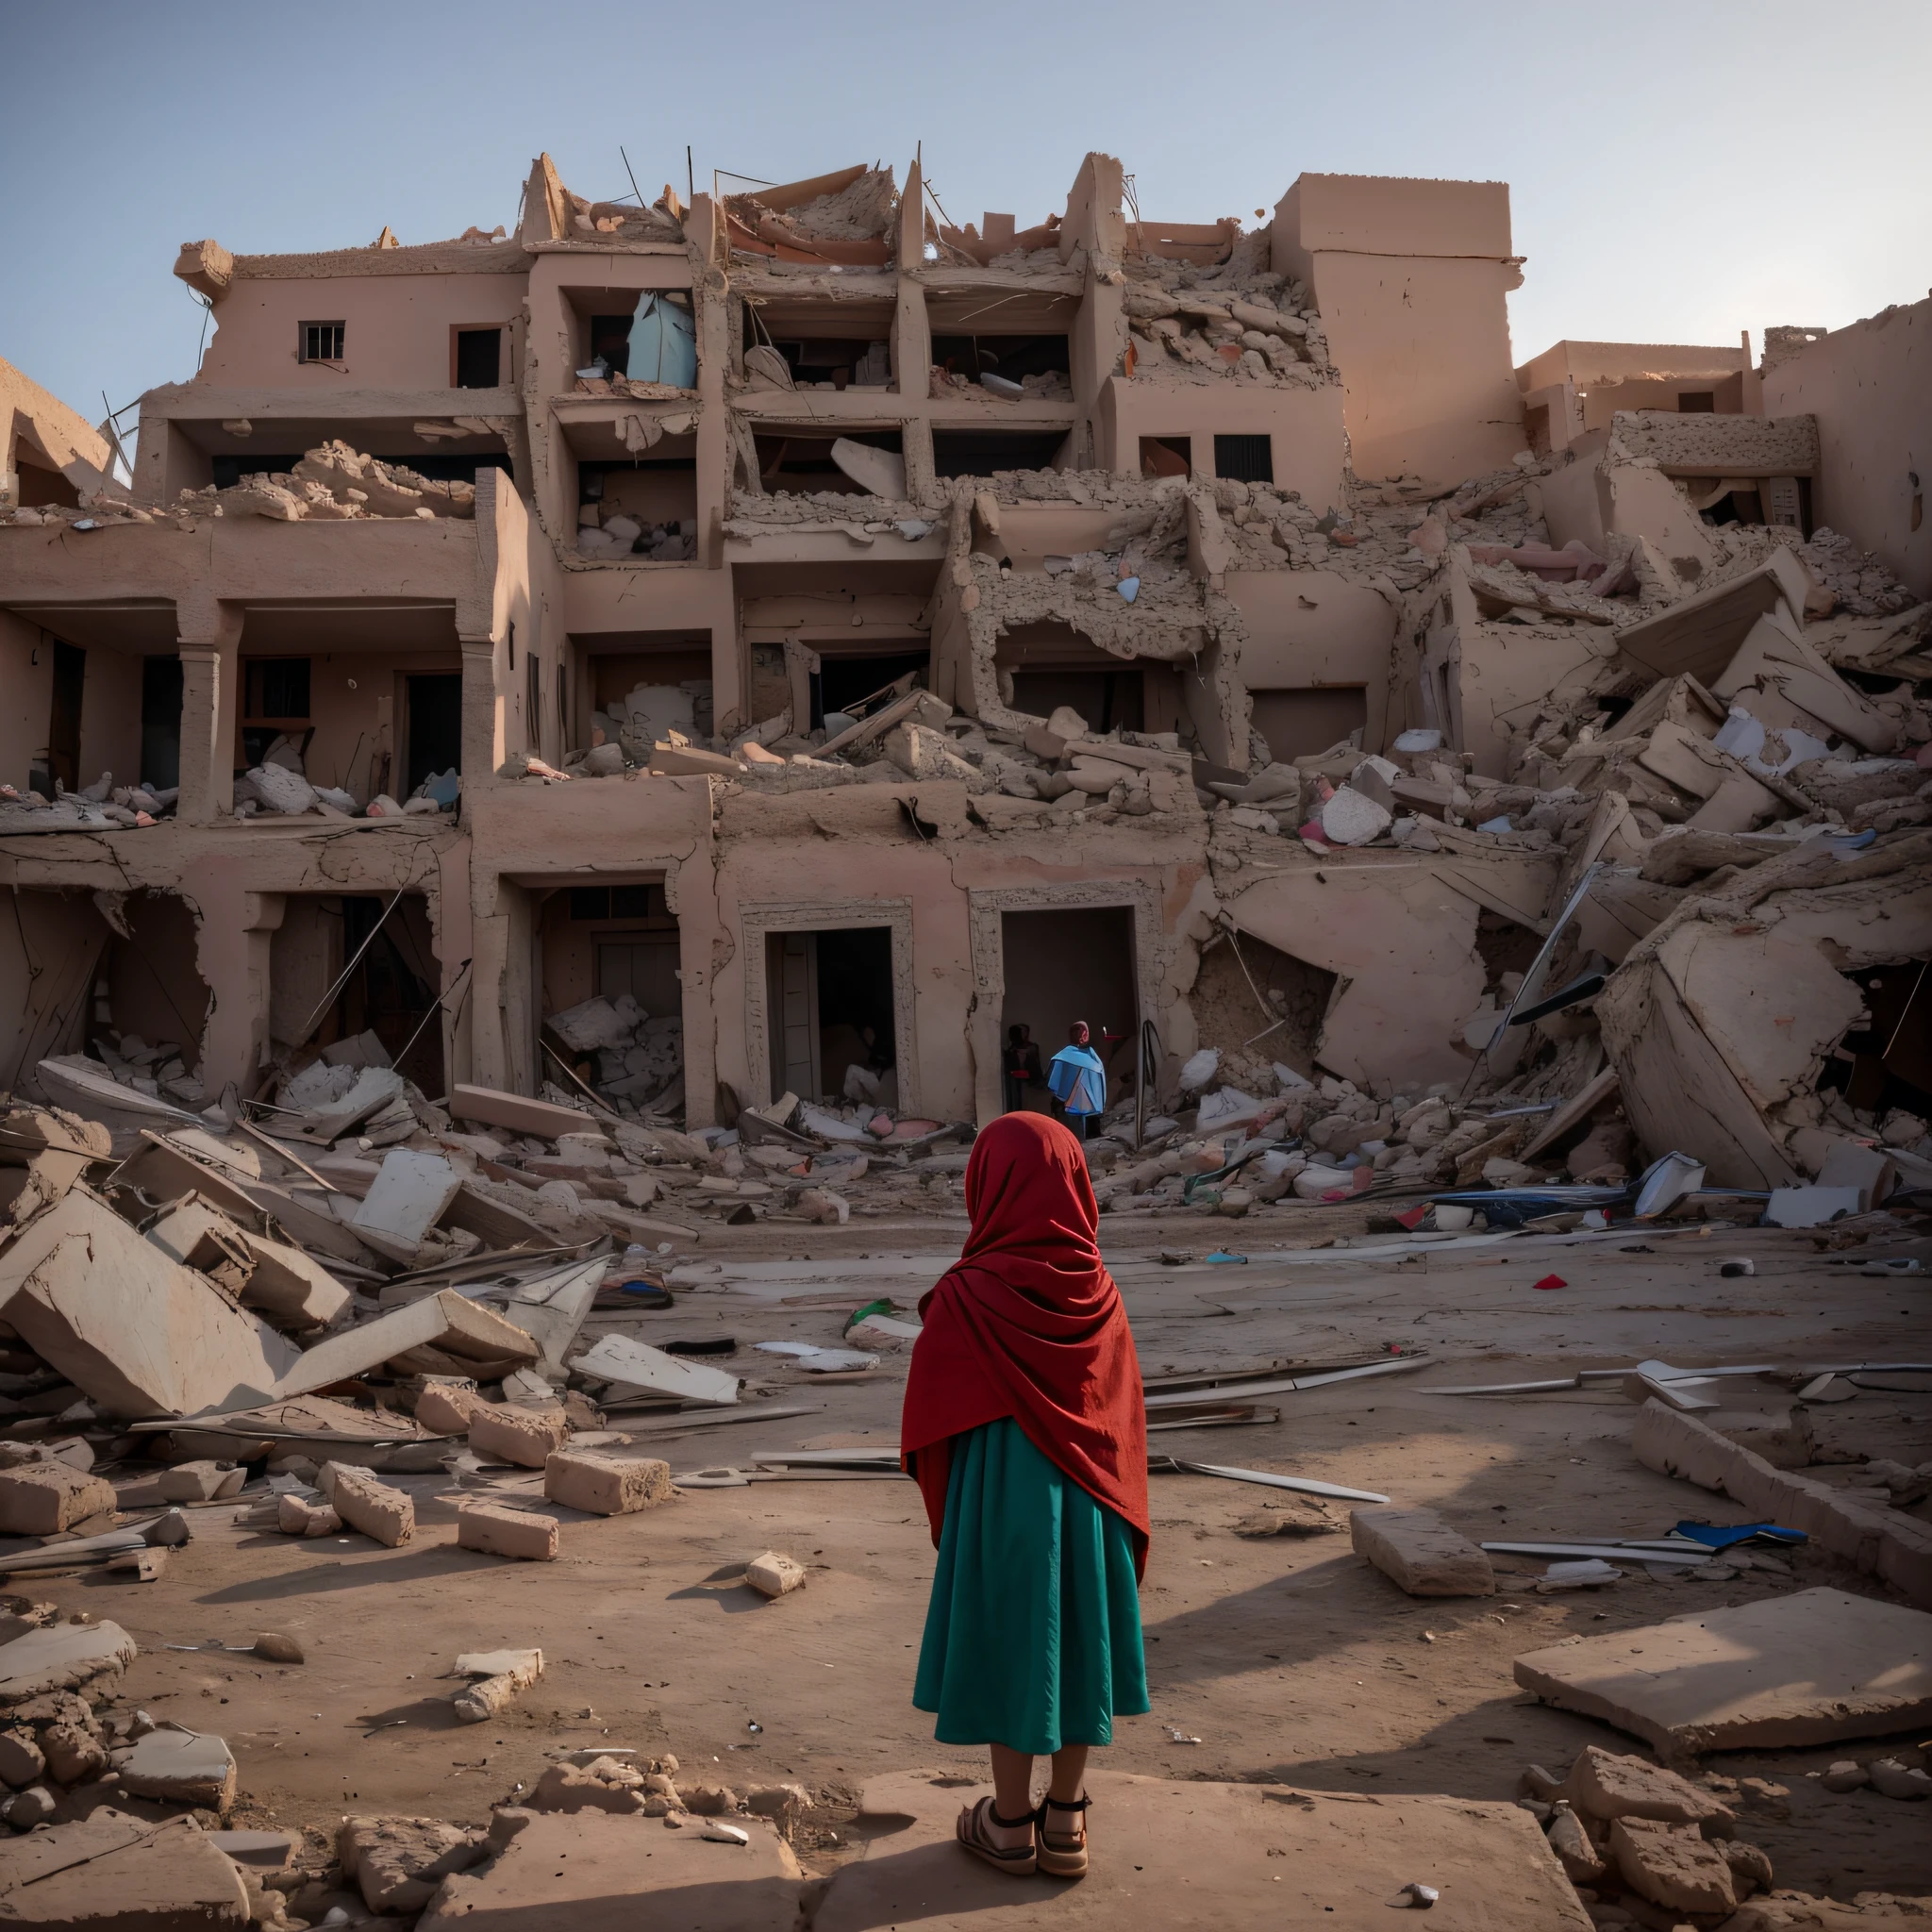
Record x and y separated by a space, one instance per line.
1186 330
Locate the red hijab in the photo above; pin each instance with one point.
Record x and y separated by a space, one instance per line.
1029 1323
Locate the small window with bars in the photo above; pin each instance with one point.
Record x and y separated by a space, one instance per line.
321 341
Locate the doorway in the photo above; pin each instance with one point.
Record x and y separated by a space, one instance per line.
436 725
830 995
1066 965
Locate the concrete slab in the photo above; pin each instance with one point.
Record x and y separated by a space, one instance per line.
444 1324
596 1873
1208 1857
404 1201
140 1334
1808 1669
62 1657
182 1765
1422 1553
112 1870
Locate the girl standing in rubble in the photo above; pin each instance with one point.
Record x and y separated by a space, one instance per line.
1026 1427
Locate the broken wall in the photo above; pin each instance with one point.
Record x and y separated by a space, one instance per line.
51 948
1412 279
1870 387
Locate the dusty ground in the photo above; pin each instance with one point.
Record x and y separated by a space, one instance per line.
1287 1659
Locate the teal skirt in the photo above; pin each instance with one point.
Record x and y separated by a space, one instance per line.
1033 1634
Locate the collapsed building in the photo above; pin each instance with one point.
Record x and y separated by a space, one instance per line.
807 638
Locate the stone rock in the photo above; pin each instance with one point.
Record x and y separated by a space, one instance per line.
772 1575
1844 1775
278 1648
1578 1858
1671 1865
1604 1785
21 1759
1350 818
523 1436
398 1863
74 1757
1750 1865
198 1482
1422 1553
1892 1779
499 1532
605 1485
506 1822
367 1505
709 1801
572 1788
297 1515
448 1407
30 1808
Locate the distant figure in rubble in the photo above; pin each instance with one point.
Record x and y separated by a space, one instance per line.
1025 1426
1020 1069
1078 1080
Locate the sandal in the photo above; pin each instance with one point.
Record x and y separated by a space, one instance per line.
974 1837
1062 1855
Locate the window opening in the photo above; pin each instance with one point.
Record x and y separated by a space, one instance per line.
1696 401
1166 455
479 357
160 721
322 342
63 719
1244 459
436 725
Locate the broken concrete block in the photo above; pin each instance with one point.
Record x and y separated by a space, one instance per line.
404 1201
542 1118
180 1766
440 1325
1606 1785
1578 1856
199 1482
22 1762
63 1657
398 1863
367 1505
634 1364
1750 1865
1896 1546
1842 1775
1671 1865
499 1532
1422 1553
772 1575
571 1788
140 1334
298 1516
109 1869
501 1677
605 1485
41 1497
523 1436
74 1756
447 1407
1799 1670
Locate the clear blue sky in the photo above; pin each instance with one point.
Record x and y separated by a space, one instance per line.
1679 172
